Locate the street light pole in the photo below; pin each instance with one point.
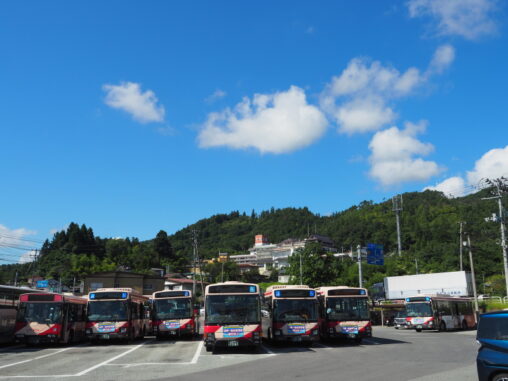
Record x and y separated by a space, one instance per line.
360 276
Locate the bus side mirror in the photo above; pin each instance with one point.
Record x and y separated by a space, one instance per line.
265 313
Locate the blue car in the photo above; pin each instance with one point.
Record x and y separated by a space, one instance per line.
492 335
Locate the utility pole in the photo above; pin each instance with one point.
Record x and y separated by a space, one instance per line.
416 265
194 256
397 208
301 269
461 261
16 279
500 186
472 275
360 276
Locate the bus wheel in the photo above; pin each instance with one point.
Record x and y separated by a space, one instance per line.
209 347
442 327
464 325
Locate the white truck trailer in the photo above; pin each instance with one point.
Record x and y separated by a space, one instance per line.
456 283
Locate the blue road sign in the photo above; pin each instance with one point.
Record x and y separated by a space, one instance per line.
375 254
42 284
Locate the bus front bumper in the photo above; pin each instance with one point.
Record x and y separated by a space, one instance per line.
296 338
360 334
37 339
173 332
107 336
255 340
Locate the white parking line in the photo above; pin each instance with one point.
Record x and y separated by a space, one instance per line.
46 376
110 360
198 352
35 358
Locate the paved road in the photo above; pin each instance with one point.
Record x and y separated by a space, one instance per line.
390 355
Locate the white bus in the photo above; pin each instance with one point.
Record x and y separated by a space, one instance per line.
291 314
344 313
232 315
440 312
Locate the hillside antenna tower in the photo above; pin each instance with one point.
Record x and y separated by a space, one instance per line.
397 208
500 186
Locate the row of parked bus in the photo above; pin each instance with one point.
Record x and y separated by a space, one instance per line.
116 313
235 314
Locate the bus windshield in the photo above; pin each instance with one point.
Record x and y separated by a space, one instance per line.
43 313
418 309
294 310
240 309
172 308
111 310
347 309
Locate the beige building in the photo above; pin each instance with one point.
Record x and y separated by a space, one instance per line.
143 283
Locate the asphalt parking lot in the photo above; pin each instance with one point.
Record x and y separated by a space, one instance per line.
390 355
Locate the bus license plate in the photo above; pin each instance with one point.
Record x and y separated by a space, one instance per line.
105 336
296 339
233 343
352 335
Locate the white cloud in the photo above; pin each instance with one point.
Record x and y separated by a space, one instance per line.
276 123
491 165
443 57
142 106
363 115
358 100
27 257
451 187
217 94
470 19
13 237
394 156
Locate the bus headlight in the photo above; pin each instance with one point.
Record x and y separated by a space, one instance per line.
331 330
277 332
315 332
88 331
431 323
255 335
123 330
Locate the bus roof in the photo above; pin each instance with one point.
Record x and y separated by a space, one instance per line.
125 293
51 297
428 297
166 294
232 287
285 287
342 291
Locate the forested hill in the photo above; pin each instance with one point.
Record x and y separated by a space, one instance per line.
429 224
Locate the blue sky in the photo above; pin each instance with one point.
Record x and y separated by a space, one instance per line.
133 117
